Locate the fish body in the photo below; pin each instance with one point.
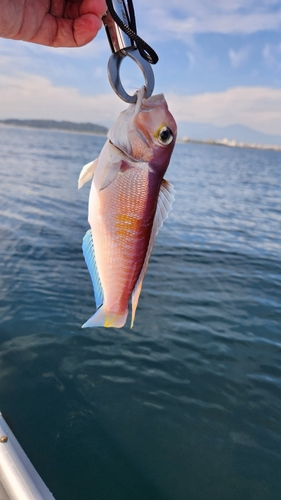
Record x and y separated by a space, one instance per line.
129 200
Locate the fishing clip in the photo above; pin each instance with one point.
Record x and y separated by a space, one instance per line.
120 25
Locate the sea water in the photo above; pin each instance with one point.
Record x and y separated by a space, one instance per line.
187 405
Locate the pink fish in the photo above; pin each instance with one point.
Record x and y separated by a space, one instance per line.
129 200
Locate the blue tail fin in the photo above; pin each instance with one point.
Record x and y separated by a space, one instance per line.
89 255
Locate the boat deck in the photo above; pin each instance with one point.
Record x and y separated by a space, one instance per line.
18 478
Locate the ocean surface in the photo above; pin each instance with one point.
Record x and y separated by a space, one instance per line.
187 405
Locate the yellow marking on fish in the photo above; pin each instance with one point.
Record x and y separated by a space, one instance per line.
109 320
156 135
126 224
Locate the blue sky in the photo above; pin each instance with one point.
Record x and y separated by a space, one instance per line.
219 63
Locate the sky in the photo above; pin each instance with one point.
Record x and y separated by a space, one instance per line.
219 64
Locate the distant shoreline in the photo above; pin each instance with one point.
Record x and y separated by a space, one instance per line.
100 130
64 126
231 144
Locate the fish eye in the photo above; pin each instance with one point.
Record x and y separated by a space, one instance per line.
165 136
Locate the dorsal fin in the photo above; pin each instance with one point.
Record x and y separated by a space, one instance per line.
89 254
164 206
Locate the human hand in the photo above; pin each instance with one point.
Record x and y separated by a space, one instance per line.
56 23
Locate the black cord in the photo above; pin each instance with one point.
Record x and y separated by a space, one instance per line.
132 17
144 49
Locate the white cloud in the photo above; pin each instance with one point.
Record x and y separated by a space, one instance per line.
181 18
239 57
99 46
229 23
18 50
36 97
29 96
256 107
71 67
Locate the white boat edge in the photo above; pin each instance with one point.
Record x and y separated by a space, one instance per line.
18 477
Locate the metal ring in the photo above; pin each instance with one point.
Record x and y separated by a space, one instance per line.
113 68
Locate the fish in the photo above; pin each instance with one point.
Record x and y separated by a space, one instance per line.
128 203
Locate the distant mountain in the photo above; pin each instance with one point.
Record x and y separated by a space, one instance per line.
239 133
58 125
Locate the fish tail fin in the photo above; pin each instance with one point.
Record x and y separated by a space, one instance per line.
102 317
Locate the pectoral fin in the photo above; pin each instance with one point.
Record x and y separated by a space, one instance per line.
164 206
87 172
109 174
110 162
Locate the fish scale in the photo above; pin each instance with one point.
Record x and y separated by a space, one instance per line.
118 240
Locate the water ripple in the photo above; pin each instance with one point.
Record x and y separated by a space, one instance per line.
185 405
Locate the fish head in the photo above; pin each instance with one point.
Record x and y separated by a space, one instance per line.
146 131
